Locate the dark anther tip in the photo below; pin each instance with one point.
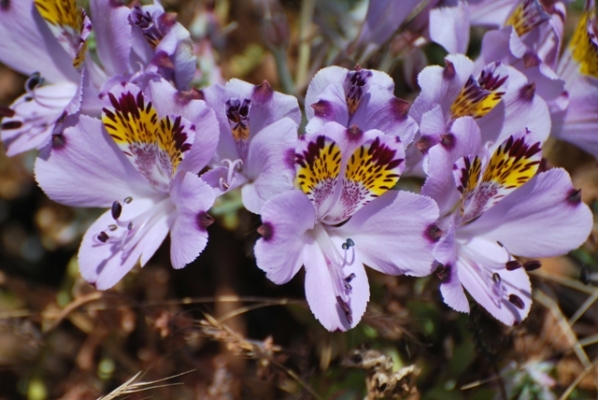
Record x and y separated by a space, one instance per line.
513 265
103 237
11 125
532 265
116 209
6 112
516 301
266 231
447 141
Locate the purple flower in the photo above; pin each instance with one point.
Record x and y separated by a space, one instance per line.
258 136
345 216
362 98
499 97
579 122
142 161
35 35
493 206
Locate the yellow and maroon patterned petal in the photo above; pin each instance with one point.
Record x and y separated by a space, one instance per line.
373 169
69 24
513 163
526 16
155 146
584 46
319 166
479 97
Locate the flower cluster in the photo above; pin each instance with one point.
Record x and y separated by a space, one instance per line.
119 126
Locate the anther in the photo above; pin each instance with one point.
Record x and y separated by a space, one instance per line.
116 210
532 265
112 227
516 301
513 265
348 280
130 226
346 309
103 237
496 278
128 200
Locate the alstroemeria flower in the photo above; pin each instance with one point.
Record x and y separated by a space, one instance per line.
142 161
493 206
344 217
258 136
46 41
578 124
362 98
500 98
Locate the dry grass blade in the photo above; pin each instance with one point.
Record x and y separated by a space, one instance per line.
131 386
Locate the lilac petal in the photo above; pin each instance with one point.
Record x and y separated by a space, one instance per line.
337 75
441 85
383 19
543 218
520 107
481 270
445 252
113 35
286 219
579 123
392 233
104 264
331 106
463 139
178 46
222 179
27 44
35 114
168 101
270 163
490 13
320 293
85 168
381 110
193 198
449 26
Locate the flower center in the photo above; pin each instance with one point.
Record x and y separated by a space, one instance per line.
355 87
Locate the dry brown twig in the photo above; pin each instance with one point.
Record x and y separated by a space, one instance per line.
130 386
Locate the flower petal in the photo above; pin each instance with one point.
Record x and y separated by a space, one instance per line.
333 314
449 26
113 35
392 233
270 163
543 218
286 218
85 168
193 198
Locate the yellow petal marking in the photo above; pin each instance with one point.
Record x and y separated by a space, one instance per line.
583 47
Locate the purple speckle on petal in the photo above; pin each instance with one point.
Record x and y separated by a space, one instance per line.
4 5
527 92
186 96
58 141
448 141
354 133
532 265
531 59
400 108
103 237
574 196
516 301
444 273
289 159
266 231
204 220
449 70
425 143
263 92
433 233
322 109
